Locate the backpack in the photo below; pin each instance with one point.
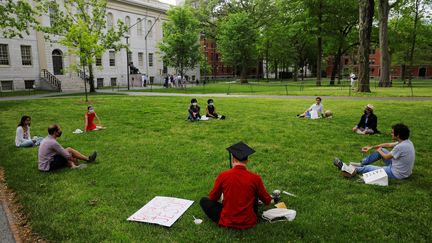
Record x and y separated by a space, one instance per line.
279 214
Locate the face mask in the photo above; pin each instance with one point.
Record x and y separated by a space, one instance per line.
194 103
91 111
59 134
211 104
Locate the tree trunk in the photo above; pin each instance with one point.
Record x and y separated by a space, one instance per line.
295 73
413 42
336 66
385 62
366 12
403 72
339 73
243 73
91 79
276 69
318 81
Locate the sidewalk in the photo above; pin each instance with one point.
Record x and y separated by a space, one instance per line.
8 232
155 93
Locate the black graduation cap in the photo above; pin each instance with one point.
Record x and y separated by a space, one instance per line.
240 151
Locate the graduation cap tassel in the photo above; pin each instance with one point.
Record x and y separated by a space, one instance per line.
229 159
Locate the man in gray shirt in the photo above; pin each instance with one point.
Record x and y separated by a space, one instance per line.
53 156
399 162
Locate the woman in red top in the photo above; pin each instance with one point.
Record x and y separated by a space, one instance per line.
89 120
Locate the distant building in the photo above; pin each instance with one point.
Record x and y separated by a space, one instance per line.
349 64
34 62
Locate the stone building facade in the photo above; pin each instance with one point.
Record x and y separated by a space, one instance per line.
30 62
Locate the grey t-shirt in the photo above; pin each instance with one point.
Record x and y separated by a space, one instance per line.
403 159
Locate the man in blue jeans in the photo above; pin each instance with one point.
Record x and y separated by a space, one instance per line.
399 162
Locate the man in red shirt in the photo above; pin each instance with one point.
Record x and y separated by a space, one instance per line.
241 190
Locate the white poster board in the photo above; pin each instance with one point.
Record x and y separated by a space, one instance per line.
161 210
314 114
376 177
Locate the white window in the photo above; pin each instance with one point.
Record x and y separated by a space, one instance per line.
52 13
129 57
149 31
128 24
113 81
150 59
29 84
100 82
139 27
26 58
6 85
110 20
98 61
4 54
112 61
140 59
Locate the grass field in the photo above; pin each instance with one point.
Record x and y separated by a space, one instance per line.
23 93
307 87
148 149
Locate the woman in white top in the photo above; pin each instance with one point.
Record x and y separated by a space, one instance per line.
314 111
22 137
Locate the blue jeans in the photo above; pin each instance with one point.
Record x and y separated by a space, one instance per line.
27 143
373 157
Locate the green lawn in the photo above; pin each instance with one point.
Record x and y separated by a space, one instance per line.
148 149
308 87
24 92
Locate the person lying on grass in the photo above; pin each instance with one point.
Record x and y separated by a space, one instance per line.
314 111
399 162
211 110
89 120
368 122
23 137
241 190
53 156
194 111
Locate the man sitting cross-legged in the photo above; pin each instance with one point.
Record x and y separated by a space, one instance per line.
53 156
241 190
399 162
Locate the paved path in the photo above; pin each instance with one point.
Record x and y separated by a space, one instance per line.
6 235
132 93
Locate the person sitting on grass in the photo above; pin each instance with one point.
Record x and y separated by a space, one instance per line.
241 190
194 111
399 162
53 156
211 110
89 120
368 122
314 111
23 137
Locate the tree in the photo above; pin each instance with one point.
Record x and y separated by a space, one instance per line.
179 46
384 8
16 18
236 41
81 27
366 12
411 32
342 33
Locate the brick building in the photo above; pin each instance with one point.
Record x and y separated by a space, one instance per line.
349 64
218 68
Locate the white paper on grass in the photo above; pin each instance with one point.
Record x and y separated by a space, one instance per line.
161 210
348 168
376 177
314 114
